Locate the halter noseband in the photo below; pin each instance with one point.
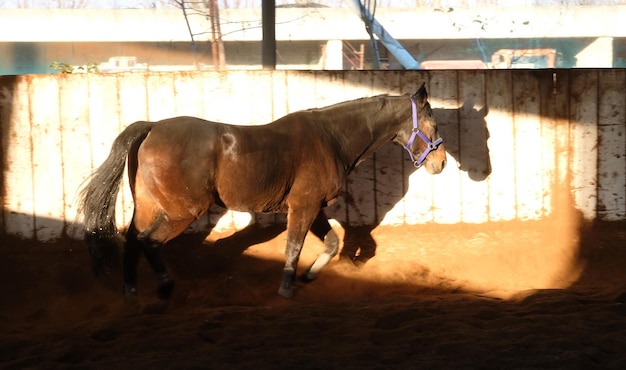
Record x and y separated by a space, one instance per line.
416 132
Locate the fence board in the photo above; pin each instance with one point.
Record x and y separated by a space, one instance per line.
279 94
584 140
19 202
505 161
161 95
548 140
562 126
611 145
189 94
444 98
528 146
474 194
499 86
75 142
47 165
259 101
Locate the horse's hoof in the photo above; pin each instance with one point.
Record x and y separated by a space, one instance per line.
130 295
307 277
164 291
130 291
286 292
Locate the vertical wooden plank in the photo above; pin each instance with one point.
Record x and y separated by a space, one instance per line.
259 103
472 143
332 87
75 140
388 82
389 189
279 94
19 201
562 128
236 105
527 110
300 93
47 164
499 88
189 94
584 140
161 98
549 151
357 84
611 144
444 99
6 104
410 81
133 98
218 96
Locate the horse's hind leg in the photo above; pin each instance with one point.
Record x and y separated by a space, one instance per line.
165 285
322 229
132 251
141 242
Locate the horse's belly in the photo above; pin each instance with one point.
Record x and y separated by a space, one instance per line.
253 205
247 195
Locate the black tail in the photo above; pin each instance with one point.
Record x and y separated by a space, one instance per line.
98 197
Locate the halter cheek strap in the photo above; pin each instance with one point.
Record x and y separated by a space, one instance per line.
416 132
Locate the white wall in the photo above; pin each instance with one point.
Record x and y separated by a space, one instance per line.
513 138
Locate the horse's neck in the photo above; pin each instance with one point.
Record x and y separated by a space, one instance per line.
365 127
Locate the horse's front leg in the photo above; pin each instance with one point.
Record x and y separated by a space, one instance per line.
298 223
322 229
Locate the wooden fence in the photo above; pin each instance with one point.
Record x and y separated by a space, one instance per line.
513 138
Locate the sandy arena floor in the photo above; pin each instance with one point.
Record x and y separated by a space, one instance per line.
544 294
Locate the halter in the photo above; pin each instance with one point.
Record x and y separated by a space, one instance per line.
416 132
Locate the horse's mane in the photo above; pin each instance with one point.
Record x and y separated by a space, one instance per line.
343 104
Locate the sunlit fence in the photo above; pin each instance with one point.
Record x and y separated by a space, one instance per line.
515 140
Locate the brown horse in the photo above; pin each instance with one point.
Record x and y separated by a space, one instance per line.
297 165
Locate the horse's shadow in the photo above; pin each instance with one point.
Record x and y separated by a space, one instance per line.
465 136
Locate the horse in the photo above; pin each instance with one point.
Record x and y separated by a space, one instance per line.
298 164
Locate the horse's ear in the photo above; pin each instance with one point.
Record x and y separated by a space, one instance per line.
421 96
484 111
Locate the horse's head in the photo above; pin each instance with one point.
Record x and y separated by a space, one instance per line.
421 138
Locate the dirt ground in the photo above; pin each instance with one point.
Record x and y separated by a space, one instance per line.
546 294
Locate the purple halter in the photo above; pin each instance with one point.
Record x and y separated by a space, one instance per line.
416 132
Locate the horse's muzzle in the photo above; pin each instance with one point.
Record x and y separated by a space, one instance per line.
434 167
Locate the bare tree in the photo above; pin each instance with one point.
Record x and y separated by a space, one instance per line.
210 10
